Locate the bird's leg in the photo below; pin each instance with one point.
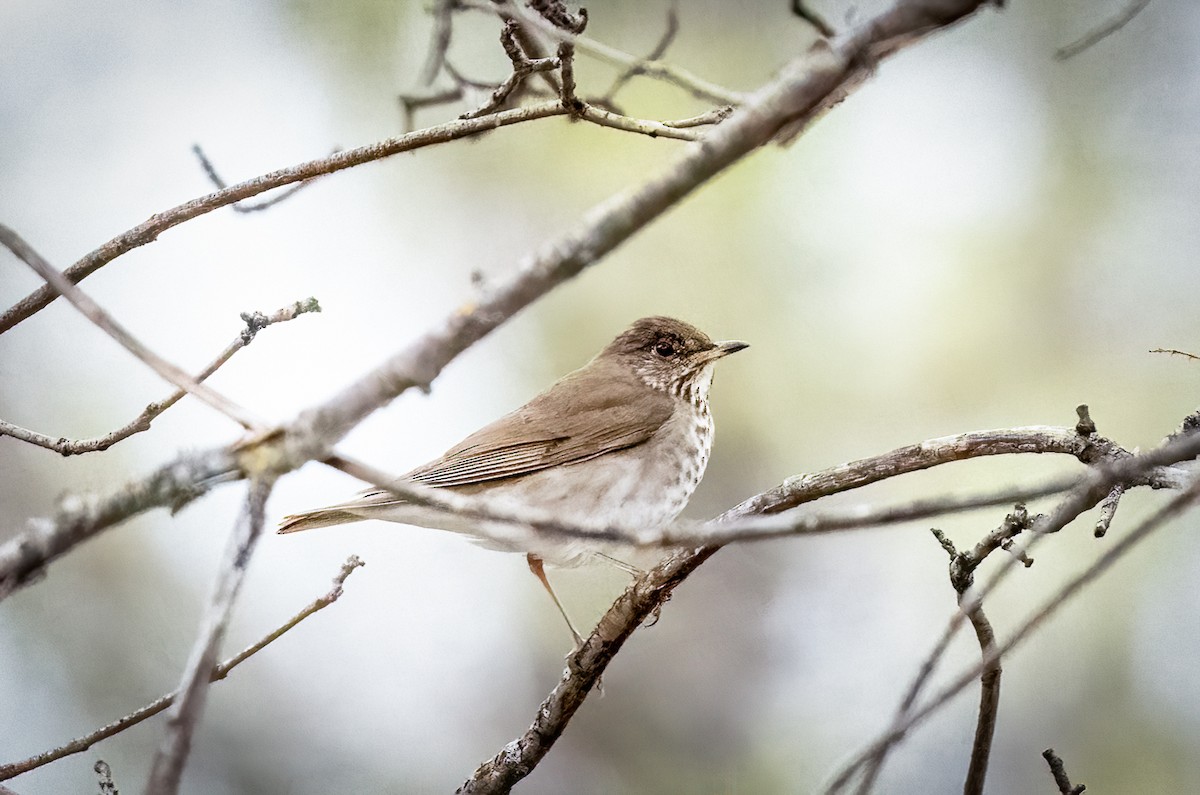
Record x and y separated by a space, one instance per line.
631 570
535 565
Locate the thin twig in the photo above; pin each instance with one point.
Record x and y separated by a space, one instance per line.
439 40
511 526
167 769
149 230
714 116
240 207
1059 771
566 61
255 322
1108 509
106 323
1175 352
1072 587
220 672
800 8
654 129
693 84
411 103
503 91
660 49
962 578
1103 32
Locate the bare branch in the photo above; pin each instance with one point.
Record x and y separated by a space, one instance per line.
660 49
714 116
238 207
92 311
962 577
411 103
1059 771
149 231
255 322
566 60
1103 32
172 754
1108 509
510 84
439 40
1174 352
897 730
801 9
654 129
696 86
220 672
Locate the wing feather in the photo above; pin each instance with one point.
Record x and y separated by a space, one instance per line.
589 413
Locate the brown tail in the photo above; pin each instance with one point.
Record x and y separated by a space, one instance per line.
310 520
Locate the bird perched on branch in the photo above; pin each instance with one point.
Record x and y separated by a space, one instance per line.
621 442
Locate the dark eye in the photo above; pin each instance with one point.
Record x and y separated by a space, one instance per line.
664 348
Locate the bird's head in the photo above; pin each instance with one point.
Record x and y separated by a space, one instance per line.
670 355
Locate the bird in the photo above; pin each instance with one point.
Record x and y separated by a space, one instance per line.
621 442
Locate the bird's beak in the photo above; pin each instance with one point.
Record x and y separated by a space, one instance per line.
727 347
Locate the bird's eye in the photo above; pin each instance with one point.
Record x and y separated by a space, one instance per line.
664 349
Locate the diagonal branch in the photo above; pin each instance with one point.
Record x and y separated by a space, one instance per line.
148 231
797 95
898 729
650 591
255 322
221 671
1094 37
172 754
108 324
215 178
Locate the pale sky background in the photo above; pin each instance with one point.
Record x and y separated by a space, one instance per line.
981 237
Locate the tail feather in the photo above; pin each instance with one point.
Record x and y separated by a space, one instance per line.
310 520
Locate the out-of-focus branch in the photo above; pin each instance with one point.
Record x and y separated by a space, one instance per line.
221 671
255 322
167 769
1101 33
239 207
670 30
108 324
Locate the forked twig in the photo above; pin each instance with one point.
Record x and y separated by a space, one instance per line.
220 672
255 322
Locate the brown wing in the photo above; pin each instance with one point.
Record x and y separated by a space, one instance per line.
599 409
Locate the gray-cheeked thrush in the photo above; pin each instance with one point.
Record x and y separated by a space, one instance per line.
623 441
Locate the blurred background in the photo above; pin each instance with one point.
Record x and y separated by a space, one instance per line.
981 237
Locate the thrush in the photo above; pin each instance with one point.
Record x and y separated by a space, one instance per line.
621 442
